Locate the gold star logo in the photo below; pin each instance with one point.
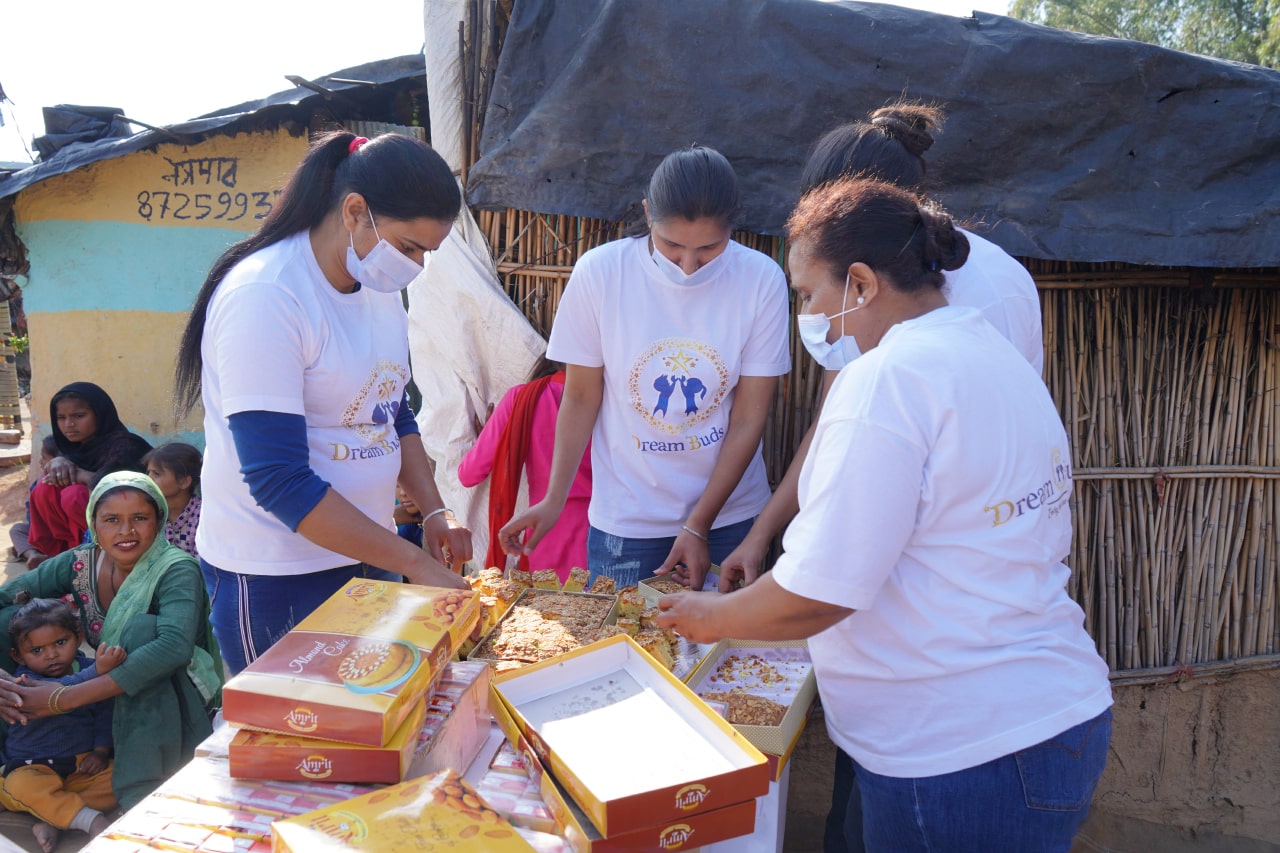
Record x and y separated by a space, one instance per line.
681 361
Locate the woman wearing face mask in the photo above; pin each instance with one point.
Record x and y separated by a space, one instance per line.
297 346
674 342
925 564
890 146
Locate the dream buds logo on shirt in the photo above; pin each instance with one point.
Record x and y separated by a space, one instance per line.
676 384
371 414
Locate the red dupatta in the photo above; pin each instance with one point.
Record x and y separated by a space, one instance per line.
508 465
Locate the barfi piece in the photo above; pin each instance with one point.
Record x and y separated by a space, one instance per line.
655 644
648 618
604 585
746 709
631 603
577 580
546 579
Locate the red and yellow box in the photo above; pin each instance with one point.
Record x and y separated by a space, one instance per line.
569 707
268 755
353 669
438 812
684 833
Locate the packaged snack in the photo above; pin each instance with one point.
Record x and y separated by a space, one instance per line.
438 812
267 755
352 670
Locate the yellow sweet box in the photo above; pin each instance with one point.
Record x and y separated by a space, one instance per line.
438 812
353 670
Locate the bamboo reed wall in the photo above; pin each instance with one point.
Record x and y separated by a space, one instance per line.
1167 382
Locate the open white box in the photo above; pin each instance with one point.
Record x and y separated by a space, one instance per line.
581 712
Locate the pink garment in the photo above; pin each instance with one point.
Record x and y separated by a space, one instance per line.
58 520
565 545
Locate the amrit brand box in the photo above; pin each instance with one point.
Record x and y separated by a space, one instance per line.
353 669
267 755
571 708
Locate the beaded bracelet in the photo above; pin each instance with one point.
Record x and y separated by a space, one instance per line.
687 529
53 700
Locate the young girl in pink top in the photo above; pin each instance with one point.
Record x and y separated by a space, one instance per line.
519 437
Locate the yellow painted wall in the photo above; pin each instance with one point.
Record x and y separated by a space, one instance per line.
108 296
131 354
122 189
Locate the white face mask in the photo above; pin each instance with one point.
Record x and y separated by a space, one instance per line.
672 272
814 328
383 269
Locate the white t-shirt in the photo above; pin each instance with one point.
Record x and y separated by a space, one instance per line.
279 338
935 503
995 283
672 356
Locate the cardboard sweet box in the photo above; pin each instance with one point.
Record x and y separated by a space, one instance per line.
353 669
686 832
268 755
765 689
570 708
438 812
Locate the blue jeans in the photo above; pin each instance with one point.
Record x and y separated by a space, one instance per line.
249 613
629 561
1031 801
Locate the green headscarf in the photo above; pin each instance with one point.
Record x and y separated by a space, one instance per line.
135 593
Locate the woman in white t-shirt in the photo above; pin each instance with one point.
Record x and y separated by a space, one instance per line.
925 563
674 342
890 146
298 347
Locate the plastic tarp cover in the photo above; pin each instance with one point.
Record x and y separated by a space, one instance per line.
468 344
444 77
65 124
1058 145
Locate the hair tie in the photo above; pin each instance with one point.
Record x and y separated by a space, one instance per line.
356 143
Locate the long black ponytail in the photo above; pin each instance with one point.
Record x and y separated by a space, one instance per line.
399 177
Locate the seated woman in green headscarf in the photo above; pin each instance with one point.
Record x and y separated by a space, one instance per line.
137 591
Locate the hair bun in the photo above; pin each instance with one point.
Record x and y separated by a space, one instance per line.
945 246
913 124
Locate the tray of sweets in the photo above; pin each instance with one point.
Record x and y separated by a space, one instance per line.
544 623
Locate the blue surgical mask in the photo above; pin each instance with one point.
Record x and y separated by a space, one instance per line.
671 270
814 328
384 269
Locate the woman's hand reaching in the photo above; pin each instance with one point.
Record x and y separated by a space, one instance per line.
537 520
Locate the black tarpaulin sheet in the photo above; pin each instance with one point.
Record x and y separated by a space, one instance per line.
1058 145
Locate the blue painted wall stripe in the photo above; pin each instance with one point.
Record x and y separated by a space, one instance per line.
114 266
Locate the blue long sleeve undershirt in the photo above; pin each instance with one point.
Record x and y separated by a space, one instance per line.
275 463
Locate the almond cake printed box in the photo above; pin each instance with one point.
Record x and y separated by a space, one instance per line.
352 670
568 706
267 755
438 812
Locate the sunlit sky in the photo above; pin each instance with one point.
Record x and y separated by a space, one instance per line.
163 62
